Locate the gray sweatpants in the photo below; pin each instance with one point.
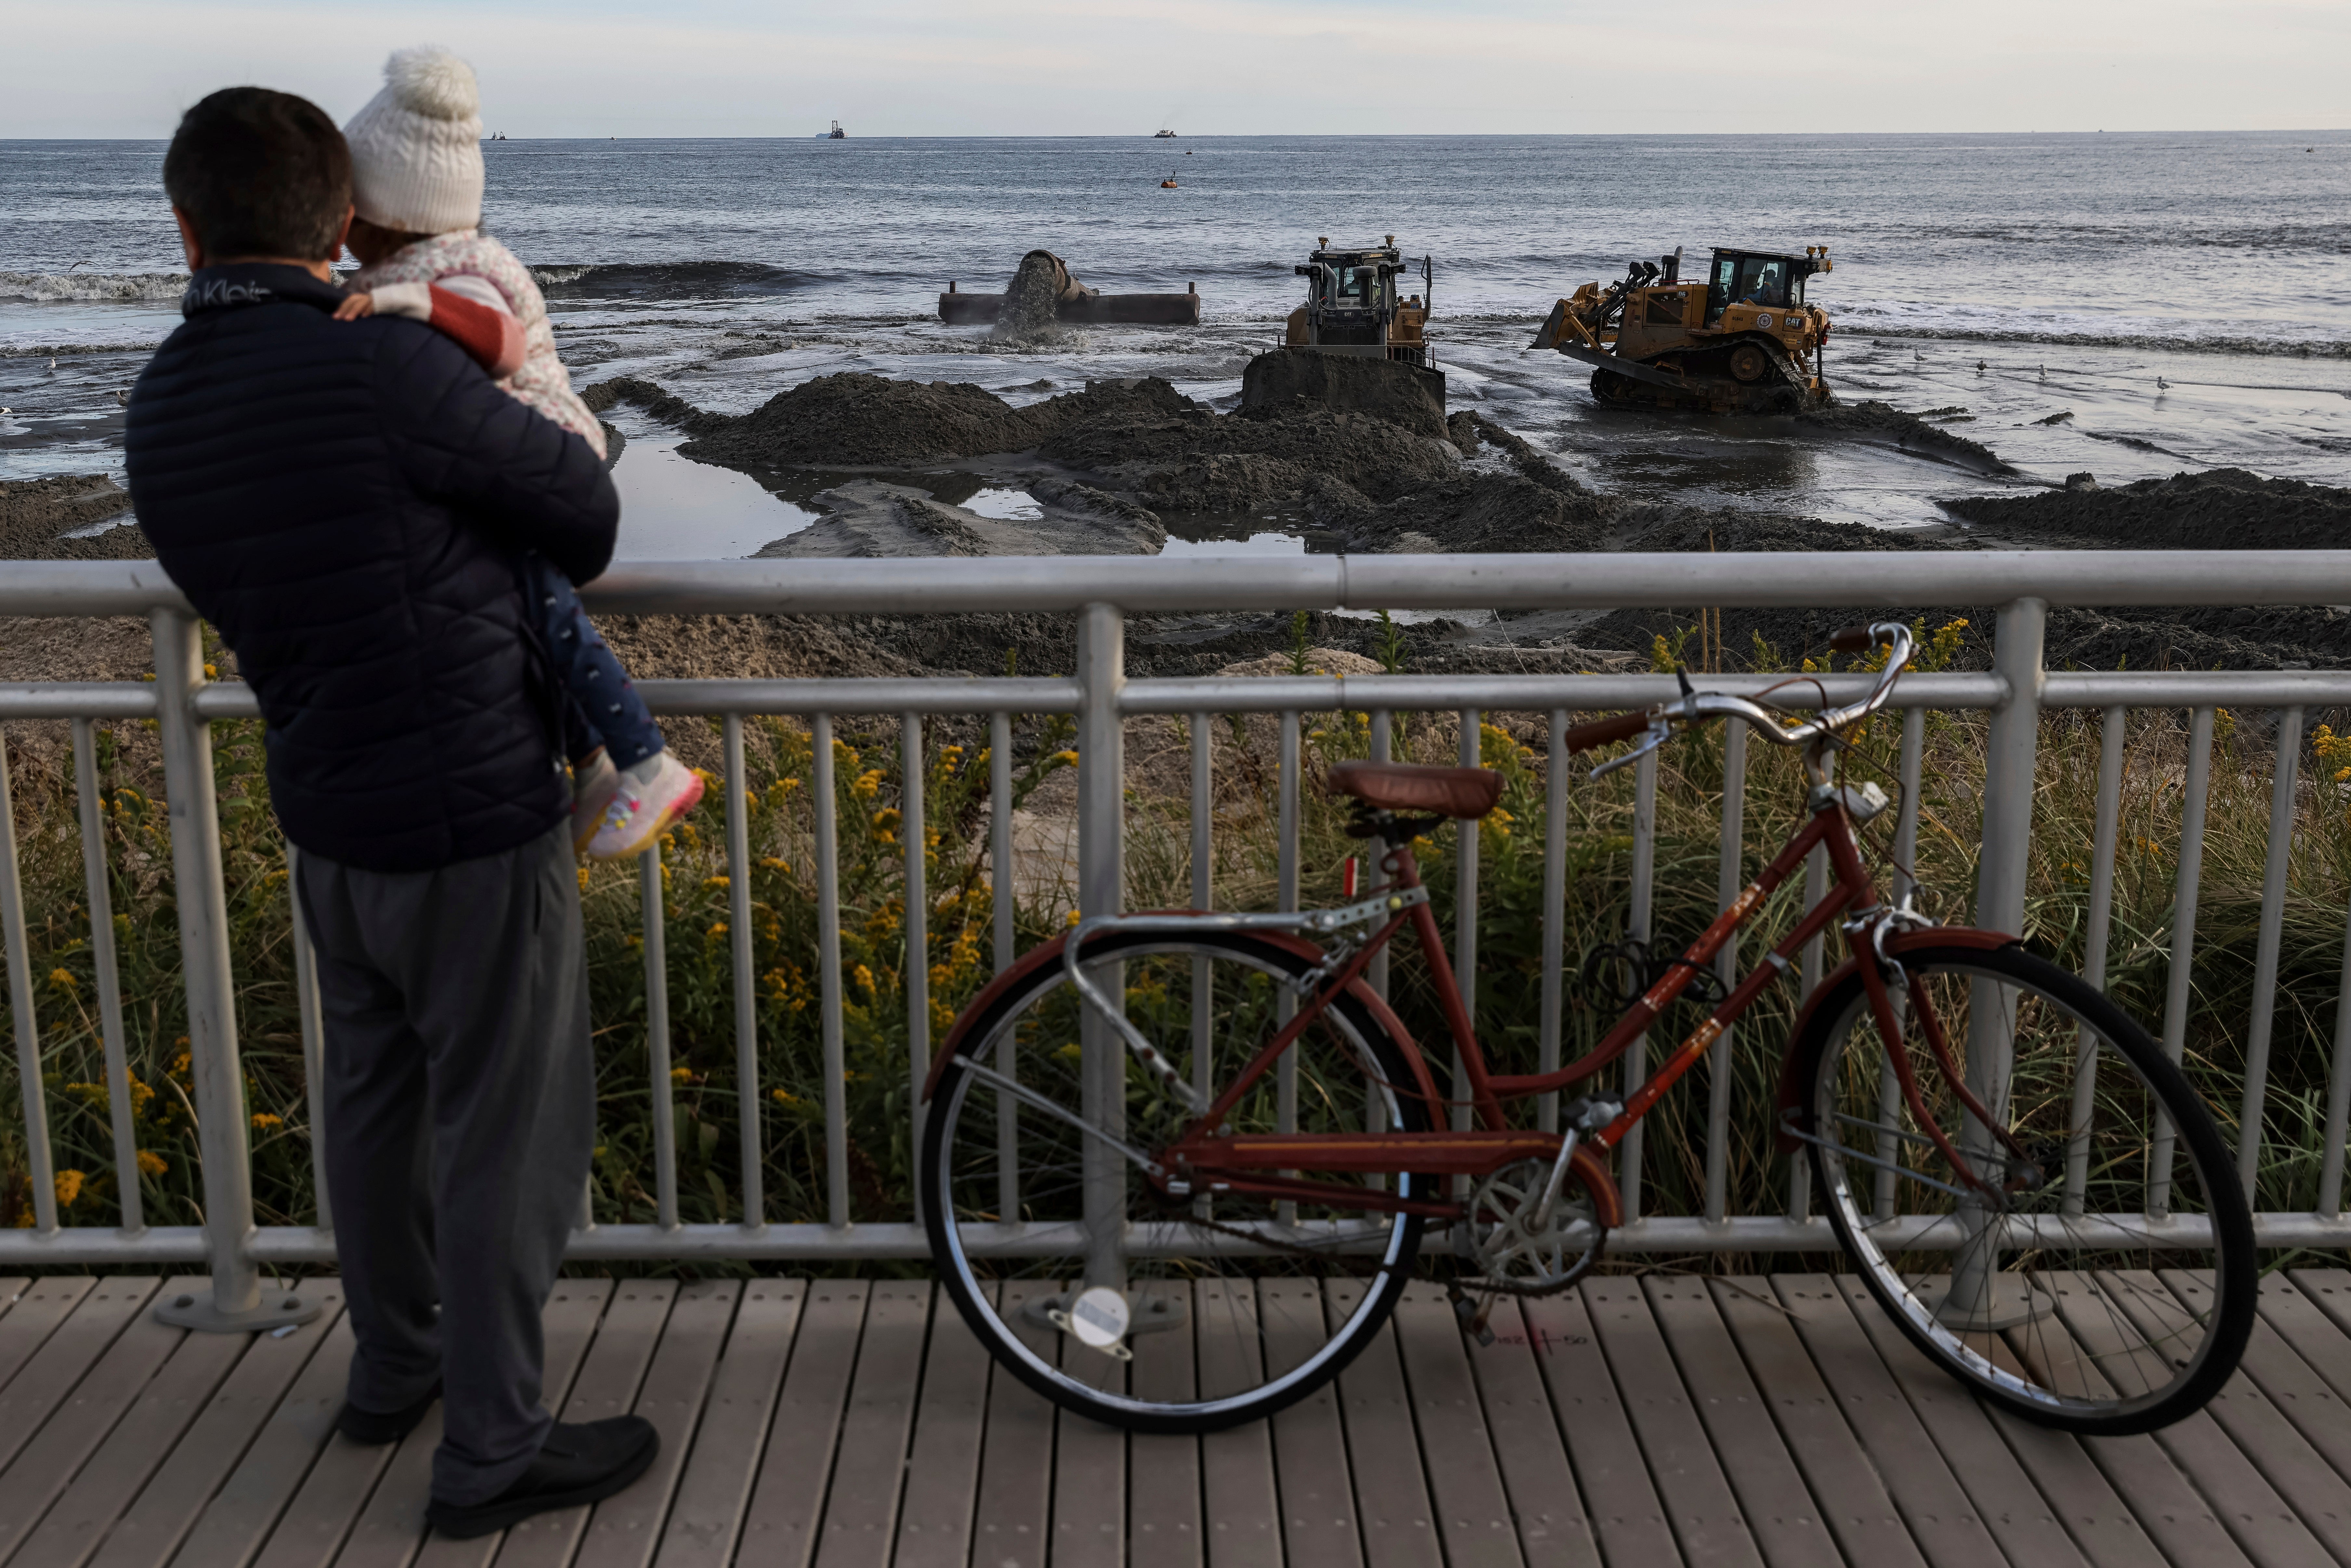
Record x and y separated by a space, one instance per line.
460 1105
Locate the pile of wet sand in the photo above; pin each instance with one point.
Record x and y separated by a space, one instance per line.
35 513
1872 421
2222 508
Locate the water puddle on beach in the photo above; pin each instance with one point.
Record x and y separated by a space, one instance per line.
673 508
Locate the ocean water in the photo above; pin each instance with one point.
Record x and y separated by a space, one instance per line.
1999 280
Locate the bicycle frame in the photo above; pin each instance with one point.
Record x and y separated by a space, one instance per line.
1200 1160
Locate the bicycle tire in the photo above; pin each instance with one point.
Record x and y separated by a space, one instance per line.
1014 1345
2099 1343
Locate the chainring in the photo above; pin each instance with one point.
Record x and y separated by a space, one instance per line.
1518 1255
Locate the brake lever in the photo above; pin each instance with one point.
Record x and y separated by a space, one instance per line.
1660 731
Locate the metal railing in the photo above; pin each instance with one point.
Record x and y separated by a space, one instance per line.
2015 694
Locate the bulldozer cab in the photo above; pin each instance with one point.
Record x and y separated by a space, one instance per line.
1356 304
1756 277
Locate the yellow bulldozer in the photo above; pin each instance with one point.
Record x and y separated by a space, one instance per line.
1740 341
1356 305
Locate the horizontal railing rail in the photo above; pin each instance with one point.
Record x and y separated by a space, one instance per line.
2015 693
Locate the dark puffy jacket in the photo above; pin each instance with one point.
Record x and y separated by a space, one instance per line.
346 502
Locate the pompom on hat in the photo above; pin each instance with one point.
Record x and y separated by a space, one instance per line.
416 148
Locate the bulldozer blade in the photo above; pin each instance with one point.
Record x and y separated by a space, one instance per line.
1631 369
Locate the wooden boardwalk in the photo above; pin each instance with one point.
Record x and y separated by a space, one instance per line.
848 1424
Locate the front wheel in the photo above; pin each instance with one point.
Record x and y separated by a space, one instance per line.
1090 1284
2087 1259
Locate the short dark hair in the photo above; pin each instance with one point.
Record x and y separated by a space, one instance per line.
260 174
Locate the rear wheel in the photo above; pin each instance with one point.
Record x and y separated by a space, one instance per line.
1233 1306
2104 1283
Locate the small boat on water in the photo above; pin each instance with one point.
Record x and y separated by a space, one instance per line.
1163 136
1168 184
835 134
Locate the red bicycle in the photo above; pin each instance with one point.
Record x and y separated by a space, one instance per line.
1202 1226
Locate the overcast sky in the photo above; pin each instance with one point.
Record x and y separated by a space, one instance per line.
1034 68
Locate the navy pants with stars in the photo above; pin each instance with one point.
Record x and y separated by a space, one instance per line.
604 709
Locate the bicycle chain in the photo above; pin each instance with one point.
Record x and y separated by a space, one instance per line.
1481 1284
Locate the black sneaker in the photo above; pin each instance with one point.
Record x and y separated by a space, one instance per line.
372 1427
581 1463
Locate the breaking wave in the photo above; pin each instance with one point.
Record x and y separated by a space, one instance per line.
667 280
99 287
1896 318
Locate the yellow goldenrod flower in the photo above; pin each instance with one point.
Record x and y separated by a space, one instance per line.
153 1163
1068 756
775 862
781 1098
264 1122
1070 1052
681 1075
718 881
583 879
864 976
1073 917
716 931
63 980
69 1187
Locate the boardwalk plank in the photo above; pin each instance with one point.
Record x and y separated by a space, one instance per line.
120 1365
114 1501
2299 1472
1089 1470
1698 1500
1787 1521
1536 1477
610 1382
2292 1387
33 1312
152 1528
102 1312
708 1515
2265 1527
237 1520
1163 1505
1473 1514
1943 1521
1845 1485
943 1472
2019 1518
779 1528
2290 1305
1297 1463
860 1516
1391 1489
1011 1518
346 1476
1620 1499
1243 1332
625 1529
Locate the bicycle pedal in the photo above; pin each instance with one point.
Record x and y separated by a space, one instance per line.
1472 1317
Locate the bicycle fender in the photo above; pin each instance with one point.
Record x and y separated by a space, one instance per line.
1050 953
1792 1093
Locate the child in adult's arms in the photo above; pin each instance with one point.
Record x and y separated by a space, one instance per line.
416 184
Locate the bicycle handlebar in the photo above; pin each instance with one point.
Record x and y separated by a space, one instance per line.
1700 705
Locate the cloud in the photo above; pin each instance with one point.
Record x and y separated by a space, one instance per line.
730 67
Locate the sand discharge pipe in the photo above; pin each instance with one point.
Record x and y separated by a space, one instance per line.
1073 302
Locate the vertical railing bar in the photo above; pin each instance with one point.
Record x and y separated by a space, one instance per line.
110 987
1729 880
1638 923
20 1002
1465 924
1816 887
910 827
1286 773
827 950
1375 973
1102 869
1001 893
1554 912
1204 893
2286 775
750 1104
2112 740
314 1038
1906 885
2338 1092
653 925
2178 989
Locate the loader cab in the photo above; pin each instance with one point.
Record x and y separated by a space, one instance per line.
1758 278
1356 304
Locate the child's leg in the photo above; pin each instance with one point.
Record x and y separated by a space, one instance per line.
601 689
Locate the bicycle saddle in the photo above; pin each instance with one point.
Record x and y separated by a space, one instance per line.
1407 786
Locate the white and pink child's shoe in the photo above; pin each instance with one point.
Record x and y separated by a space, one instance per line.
648 796
594 784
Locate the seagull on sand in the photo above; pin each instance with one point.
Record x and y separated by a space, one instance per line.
53 364
2162 385
2045 372
1916 354
123 397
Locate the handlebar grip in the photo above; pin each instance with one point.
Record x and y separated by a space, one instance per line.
1851 639
1601 731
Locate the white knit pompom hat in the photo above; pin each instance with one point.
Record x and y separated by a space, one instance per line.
416 148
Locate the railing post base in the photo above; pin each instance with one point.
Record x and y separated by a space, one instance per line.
276 1310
